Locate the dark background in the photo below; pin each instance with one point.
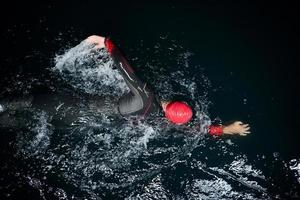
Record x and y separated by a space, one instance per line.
249 52
248 49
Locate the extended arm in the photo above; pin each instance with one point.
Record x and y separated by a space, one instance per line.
235 128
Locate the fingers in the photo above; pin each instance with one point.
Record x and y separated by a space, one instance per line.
238 122
238 128
245 125
246 128
245 132
241 123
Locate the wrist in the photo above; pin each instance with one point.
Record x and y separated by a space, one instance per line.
216 130
225 130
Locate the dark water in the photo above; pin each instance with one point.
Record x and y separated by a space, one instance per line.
235 61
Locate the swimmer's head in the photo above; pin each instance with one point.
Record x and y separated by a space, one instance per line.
177 112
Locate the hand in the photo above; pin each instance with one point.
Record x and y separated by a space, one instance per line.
98 40
237 128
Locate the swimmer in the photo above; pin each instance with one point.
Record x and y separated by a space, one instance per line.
143 102
140 102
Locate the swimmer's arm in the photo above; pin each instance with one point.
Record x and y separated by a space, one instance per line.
123 65
140 93
120 61
115 53
235 128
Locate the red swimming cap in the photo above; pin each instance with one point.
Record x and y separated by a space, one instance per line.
179 112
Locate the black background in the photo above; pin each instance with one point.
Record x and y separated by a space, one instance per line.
268 71
249 50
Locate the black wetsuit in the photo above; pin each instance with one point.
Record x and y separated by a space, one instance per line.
139 102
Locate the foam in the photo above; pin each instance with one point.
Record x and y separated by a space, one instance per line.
89 70
97 154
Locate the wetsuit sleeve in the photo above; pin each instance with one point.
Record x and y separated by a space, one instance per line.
216 130
140 100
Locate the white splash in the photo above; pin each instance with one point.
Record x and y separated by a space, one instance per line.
245 174
1 108
154 190
148 132
214 189
91 70
295 166
36 140
41 128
